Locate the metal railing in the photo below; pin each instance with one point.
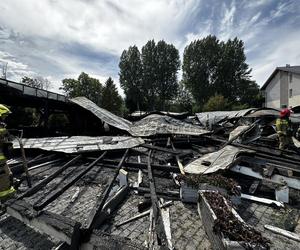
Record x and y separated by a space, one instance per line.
32 91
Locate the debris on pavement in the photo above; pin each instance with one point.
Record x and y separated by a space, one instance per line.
139 183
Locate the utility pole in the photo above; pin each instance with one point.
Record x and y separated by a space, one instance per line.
4 70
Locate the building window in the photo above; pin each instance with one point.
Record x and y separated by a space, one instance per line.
291 93
291 77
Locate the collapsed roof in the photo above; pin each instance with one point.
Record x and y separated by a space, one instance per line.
153 124
162 125
103 114
210 118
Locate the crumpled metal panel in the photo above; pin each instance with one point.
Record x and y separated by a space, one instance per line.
103 114
159 124
215 161
264 112
237 131
210 118
80 144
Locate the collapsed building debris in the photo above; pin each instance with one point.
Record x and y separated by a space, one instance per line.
140 189
164 125
79 144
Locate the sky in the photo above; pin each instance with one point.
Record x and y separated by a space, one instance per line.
59 39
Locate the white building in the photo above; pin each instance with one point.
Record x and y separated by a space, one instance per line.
282 89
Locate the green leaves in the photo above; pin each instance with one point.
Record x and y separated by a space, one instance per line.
111 100
212 67
85 85
149 79
106 97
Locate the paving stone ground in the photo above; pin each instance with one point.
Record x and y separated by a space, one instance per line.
16 235
186 226
258 215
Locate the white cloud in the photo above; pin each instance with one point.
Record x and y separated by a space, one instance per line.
58 39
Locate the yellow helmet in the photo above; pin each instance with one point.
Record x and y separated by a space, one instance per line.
4 110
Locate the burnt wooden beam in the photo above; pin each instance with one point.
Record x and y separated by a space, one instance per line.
157 219
170 193
143 214
91 222
152 147
52 197
18 168
180 166
48 163
48 179
131 164
140 152
267 152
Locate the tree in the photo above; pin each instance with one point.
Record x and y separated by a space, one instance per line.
85 85
212 67
184 99
38 82
216 103
111 100
149 76
233 73
199 66
131 78
149 79
168 64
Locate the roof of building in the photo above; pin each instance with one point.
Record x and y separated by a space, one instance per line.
292 69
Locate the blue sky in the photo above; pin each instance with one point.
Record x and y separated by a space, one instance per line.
59 39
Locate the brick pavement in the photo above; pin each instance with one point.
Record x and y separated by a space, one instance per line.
258 215
186 227
14 235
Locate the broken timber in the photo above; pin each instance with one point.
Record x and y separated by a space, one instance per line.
91 222
49 178
156 217
54 196
283 232
141 215
177 159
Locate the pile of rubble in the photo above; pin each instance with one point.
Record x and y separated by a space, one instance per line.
216 180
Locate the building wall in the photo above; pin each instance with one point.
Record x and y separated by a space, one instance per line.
272 92
295 86
284 89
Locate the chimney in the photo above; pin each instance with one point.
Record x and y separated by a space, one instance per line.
288 65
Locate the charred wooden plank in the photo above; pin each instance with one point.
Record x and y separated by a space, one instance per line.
52 197
44 182
91 222
180 166
141 215
159 227
131 164
18 168
160 149
166 193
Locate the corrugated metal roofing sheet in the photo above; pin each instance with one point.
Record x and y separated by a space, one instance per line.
103 114
160 124
78 144
215 161
210 118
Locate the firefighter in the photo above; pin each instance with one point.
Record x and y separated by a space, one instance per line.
6 178
284 129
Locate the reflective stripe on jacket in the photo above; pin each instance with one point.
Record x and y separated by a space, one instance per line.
3 139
